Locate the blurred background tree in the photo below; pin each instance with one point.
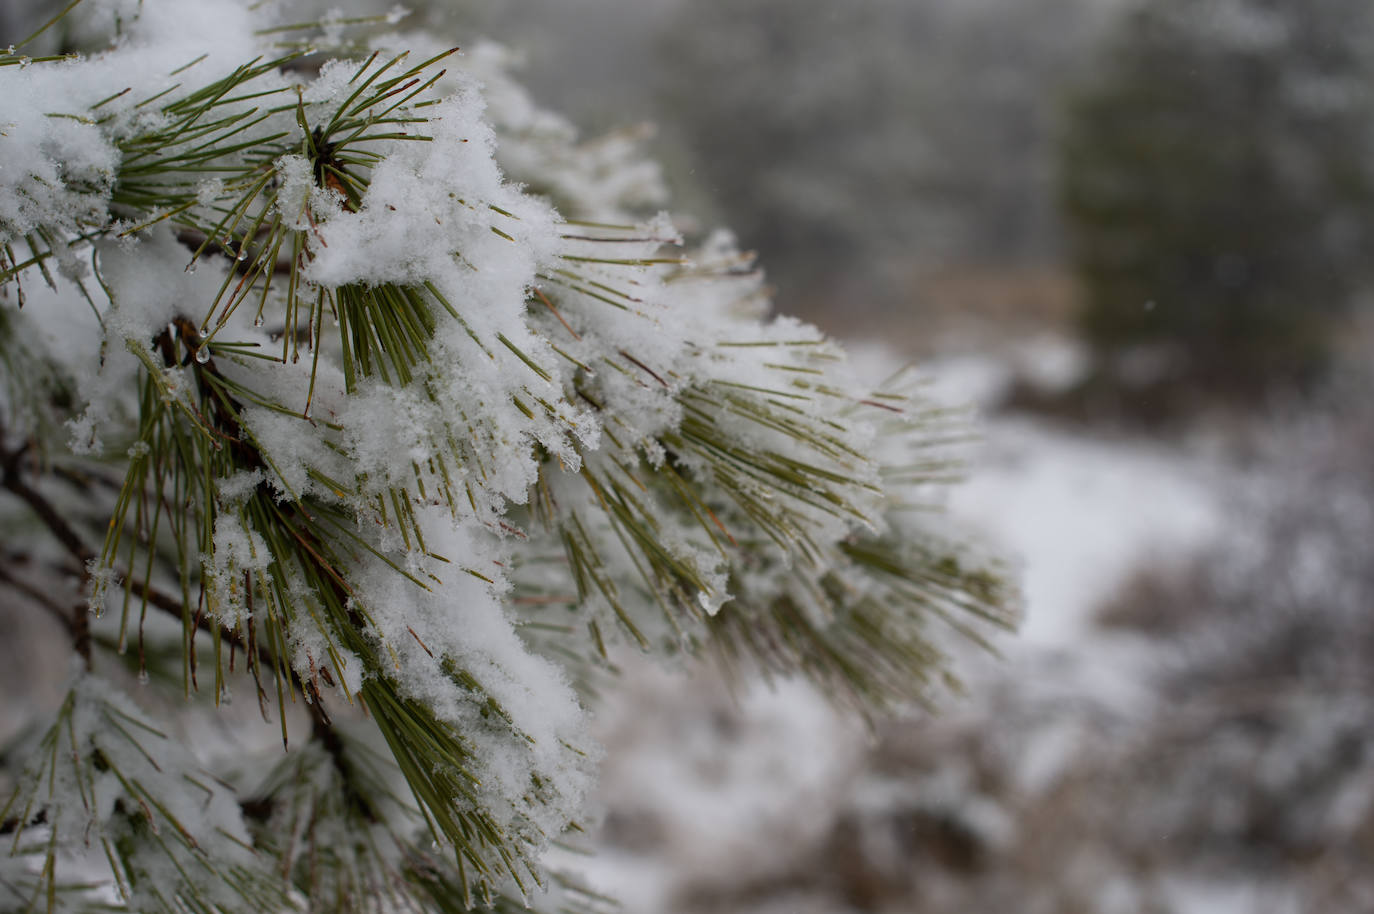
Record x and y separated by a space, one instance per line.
893 136
1218 186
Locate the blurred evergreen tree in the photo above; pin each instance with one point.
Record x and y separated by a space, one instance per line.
885 136
1217 180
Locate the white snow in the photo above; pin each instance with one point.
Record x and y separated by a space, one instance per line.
1078 514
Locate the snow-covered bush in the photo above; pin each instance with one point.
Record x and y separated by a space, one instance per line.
1261 759
349 381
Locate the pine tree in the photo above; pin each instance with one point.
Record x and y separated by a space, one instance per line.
306 400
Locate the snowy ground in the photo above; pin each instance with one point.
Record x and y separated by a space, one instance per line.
1080 513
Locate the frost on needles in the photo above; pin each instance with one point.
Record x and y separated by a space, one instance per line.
339 377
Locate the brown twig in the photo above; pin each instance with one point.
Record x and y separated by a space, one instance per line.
39 597
12 480
78 619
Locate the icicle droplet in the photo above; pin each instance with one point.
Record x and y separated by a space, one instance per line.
243 254
203 355
258 321
143 677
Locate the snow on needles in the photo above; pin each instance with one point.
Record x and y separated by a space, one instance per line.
58 151
411 404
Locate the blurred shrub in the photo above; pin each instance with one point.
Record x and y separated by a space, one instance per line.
1260 762
1217 178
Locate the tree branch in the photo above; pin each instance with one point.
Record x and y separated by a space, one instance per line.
11 479
39 597
78 618
77 622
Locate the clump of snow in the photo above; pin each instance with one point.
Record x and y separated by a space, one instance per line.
54 171
238 554
460 622
431 211
297 190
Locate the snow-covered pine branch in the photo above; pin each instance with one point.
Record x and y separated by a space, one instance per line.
320 406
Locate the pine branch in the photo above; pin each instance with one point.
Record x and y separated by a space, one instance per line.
512 440
76 621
